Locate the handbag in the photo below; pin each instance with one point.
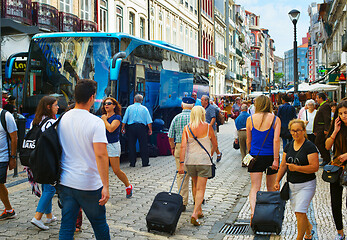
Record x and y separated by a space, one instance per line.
331 173
343 177
213 166
284 194
236 145
249 160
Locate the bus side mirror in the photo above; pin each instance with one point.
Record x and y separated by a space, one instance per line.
10 62
115 65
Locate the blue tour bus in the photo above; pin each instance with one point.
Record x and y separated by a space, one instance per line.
121 64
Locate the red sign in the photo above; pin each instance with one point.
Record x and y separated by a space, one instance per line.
342 77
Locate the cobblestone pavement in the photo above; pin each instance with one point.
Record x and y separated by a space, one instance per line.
226 201
126 217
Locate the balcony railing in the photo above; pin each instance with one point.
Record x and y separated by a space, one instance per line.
256 44
344 42
19 10
68 22
45 16
220 57
334 58
88 26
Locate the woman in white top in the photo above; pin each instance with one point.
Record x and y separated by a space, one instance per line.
47 108
195 157
308 117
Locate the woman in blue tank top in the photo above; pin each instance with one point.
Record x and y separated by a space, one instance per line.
113 121
260 124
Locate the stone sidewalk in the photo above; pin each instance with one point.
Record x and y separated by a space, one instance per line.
126 217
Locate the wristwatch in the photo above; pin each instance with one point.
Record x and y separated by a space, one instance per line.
13 156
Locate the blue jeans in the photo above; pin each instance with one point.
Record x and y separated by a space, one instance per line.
45 202
71 200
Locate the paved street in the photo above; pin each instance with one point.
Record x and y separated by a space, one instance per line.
226 201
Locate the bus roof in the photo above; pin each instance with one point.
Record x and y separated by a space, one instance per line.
118 35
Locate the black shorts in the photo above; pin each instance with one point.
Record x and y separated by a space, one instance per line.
263 164
3 172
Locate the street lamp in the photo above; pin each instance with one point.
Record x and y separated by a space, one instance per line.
294 17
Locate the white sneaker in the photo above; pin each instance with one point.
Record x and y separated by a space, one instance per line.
39 224
50 220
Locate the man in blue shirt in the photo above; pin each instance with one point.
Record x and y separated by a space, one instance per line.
197 100
286 112
240 123
139 123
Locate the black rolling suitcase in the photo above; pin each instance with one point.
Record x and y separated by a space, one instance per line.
268 213
165 211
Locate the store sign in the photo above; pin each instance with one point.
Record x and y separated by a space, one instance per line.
342 77
18 67
334 78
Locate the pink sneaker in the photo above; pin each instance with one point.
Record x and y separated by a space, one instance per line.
129 191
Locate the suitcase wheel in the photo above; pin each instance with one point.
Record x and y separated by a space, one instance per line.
278 231
172 232
148 229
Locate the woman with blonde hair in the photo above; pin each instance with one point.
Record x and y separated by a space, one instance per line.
195 158
263 141
300 161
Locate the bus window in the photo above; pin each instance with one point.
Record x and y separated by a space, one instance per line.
56 64
140 79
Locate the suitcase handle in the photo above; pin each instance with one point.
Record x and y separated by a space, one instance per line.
185 173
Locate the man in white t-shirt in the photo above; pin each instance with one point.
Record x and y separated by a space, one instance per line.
7 161
84 178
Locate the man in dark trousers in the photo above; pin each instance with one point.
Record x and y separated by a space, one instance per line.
139 123
321 126
286 112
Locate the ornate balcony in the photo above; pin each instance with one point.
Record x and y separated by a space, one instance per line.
45 17
68 22
18 10
88 26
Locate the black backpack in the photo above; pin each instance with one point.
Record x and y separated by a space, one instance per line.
29 142
45 159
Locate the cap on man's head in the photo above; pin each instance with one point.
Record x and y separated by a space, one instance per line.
4 92
188 100
238 98
11 98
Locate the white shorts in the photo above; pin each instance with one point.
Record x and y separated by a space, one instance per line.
113 149
301 195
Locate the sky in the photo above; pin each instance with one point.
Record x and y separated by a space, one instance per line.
274 16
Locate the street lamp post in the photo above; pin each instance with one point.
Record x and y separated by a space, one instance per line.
294 17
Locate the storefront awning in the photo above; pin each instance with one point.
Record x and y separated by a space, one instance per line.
10 27
239 89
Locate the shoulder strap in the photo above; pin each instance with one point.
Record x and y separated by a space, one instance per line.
43 122
252 122
4 125
202 146
55 124
3 120
268 131
306 115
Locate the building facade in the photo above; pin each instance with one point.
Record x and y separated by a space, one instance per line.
302 65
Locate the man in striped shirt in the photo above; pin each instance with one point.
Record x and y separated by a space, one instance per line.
175 138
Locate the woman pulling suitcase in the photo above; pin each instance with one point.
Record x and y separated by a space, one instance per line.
300 161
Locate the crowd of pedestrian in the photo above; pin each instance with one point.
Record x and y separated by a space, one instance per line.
91 144
318 127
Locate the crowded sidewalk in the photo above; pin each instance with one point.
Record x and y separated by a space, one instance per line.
226 202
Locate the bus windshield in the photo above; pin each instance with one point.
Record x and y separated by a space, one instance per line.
56 64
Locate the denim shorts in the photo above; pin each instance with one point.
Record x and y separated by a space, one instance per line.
3 172
113 149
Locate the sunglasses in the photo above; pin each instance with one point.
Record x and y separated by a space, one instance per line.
108 103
